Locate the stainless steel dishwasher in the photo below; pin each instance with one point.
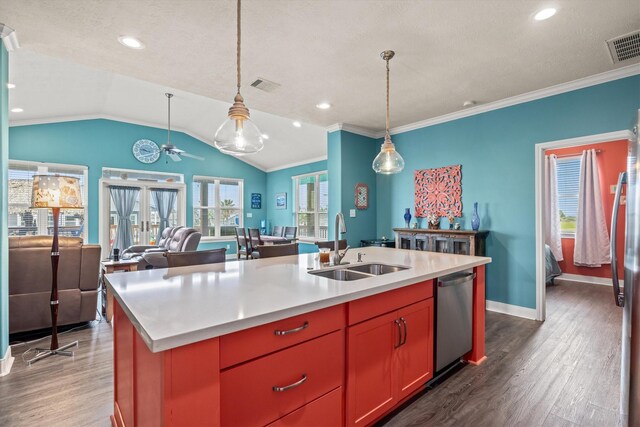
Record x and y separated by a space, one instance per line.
454 317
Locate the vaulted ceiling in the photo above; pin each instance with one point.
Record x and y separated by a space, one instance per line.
447 52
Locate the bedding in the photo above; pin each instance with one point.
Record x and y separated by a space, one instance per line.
552 269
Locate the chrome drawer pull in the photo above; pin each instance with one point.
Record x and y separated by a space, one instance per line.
404 322
291 331
290 386
397 322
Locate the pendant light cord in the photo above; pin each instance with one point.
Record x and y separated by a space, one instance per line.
238 47
169 118
387 130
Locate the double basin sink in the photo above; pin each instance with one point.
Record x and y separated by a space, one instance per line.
350 272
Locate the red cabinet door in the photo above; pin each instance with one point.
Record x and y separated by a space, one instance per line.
371 383
414 358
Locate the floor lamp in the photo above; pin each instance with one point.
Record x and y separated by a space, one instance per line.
55 192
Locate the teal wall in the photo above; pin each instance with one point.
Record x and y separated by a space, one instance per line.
280 182
349 161
107 143
496 151
4 158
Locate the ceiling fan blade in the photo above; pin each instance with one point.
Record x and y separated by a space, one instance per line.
175 157
191 156
177 150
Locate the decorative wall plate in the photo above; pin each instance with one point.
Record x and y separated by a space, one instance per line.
362 196
146 151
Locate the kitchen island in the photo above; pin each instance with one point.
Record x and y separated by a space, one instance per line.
266 342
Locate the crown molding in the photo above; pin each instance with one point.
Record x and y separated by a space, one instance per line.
593 80
60 119
9 38
291 165
354 129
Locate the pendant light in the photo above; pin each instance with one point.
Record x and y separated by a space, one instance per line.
238 135
388 161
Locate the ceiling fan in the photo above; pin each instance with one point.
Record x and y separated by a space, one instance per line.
173 152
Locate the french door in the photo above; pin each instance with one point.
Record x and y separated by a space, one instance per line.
145 216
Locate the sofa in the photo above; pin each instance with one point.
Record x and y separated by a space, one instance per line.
161 245
30 282
178 239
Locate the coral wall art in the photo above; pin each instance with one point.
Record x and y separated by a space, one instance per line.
438 191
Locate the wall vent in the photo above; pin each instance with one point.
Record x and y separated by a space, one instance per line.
265 85
624 47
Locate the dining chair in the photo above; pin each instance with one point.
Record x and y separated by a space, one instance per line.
254 240
330 244
270 251
182 259
244 245
277 231
290 232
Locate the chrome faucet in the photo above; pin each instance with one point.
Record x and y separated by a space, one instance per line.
340 227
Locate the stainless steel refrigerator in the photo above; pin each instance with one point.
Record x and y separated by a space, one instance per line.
629 297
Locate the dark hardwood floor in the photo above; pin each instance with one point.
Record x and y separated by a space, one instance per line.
562 372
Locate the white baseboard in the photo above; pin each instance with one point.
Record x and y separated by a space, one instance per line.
587 279
512 310
6 362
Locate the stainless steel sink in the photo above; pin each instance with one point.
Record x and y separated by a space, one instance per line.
357 271
377 269
340 274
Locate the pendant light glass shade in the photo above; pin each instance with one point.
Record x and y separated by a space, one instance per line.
388 161
238 135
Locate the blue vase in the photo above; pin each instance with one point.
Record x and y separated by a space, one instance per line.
407 217
475 219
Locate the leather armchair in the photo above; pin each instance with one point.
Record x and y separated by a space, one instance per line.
30 282
183 240
161 245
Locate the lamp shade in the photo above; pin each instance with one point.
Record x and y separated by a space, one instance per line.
56 191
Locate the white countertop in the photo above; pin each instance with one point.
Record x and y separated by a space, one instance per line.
179 306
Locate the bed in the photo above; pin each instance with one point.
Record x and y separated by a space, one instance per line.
552 269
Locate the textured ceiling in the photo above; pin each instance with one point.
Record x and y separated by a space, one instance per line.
328 50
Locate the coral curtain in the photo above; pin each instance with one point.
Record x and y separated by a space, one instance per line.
592 247
164 200
124 200
552 234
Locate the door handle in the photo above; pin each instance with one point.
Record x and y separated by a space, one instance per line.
399 343
617 295
404 323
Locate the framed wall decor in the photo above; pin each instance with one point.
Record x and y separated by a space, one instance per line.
256 201
362 196
281 200
438 191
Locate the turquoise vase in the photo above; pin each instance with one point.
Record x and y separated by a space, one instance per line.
407 217
475 219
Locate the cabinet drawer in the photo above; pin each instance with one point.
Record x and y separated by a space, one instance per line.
255 342
248 394
367 308
323 412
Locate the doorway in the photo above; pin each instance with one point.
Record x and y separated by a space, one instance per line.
146 220
540 150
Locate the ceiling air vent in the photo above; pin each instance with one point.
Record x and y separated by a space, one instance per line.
265 85
624 47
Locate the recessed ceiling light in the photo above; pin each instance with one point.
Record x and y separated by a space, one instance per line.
17 110
323 105
545 14
10 85
265 136
131 42
297 124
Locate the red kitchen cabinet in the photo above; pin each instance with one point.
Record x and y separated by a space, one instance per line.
388 358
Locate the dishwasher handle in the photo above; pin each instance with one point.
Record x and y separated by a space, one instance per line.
457 280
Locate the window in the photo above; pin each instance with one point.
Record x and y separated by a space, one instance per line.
25 221
568 176
217 206
311 205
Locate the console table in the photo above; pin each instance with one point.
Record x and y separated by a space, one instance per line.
463 242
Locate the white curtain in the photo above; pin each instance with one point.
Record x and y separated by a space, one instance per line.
592 237
552 235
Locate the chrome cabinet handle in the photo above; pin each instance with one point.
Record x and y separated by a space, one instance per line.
397 322
404 323
617 295
291 331
290 386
